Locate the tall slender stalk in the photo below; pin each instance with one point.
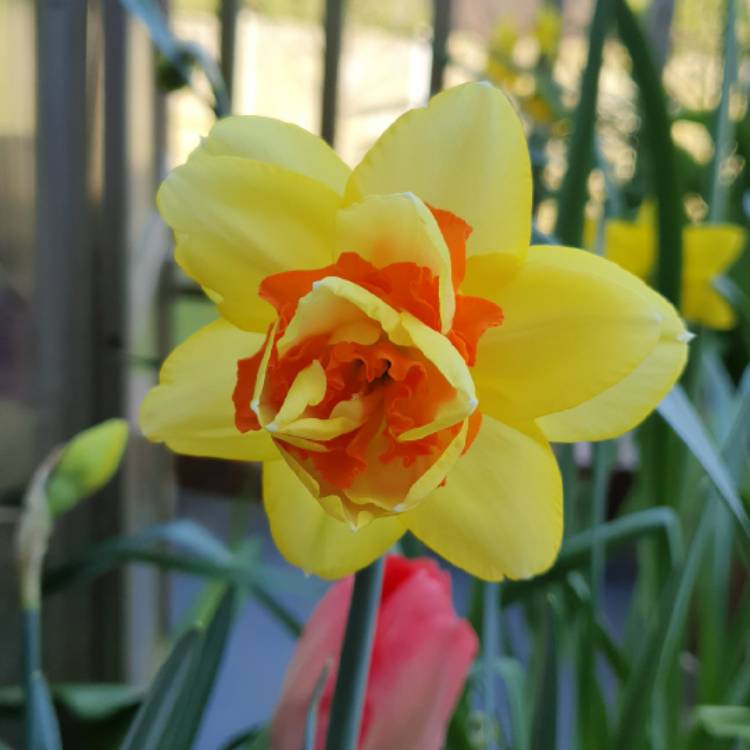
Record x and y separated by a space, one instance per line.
569 226
351 683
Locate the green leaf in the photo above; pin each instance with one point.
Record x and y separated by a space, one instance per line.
160 712
311 719
657 138
512 673
658 650
86 701
491 593
724 722
45 733
577 549
544 726
681 416
204 555
96 701
41 728
354 666
204 670
180 54
572 198
249 739
86 464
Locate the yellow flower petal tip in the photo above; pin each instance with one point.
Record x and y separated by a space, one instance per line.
391 347
708 251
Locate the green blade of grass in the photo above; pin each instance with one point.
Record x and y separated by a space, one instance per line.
159 710
682 417
577 549
572 198
658 649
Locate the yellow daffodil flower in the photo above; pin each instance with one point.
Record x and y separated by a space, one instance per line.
391 347
547 30
708 251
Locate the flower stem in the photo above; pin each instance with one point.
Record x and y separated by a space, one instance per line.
349 696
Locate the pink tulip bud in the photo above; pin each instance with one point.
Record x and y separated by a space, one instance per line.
420 659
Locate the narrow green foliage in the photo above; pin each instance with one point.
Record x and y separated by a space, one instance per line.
193 550
204 671
349 695
544 725
160 709
661 153
311 720
576 550
572 198
682 417
171 713
658 649
725 722
42 731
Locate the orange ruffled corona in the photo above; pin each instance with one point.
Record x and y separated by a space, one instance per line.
367 401
391 347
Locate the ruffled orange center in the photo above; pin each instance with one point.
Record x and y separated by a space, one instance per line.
394 388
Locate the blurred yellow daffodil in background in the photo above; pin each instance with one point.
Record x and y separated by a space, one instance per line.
391 347
708 251
548 29
529 81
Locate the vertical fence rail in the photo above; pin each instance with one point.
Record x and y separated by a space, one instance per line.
228 12
334 21
442 10
62 357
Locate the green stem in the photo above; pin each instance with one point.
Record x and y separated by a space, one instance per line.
351 684
569 226
717 200
32 664
658 141
490 628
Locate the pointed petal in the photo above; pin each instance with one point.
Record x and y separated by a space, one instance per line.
632 245
575 325
702 304
191 410
237 221
500 511
312 539
711 249
466 153
627 403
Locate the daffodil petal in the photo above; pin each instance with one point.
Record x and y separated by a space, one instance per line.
631 245
627 403
702 304
465 152
499 513
574 326
281 143
312 539
398 486
399 228
710 249
307 389
191 410
237 221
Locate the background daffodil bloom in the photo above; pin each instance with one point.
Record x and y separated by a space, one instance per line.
708 251
391 347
